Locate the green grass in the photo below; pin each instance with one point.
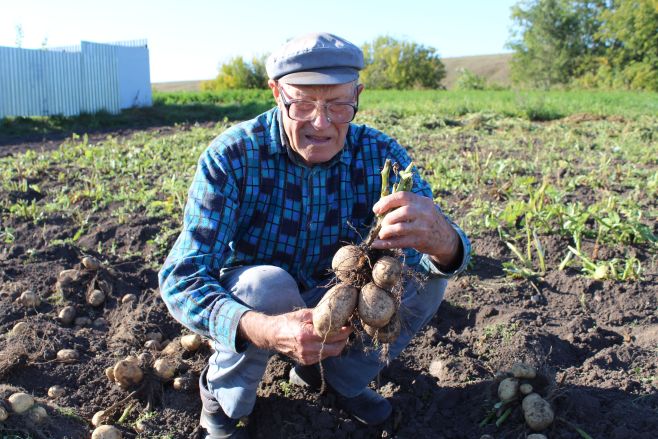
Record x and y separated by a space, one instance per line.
584 180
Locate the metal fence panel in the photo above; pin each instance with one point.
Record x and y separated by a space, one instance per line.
67 81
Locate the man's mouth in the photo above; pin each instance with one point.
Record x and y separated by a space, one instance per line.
318 139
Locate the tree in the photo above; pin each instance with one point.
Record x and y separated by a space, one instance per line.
629 31
553 40
390 63
237 73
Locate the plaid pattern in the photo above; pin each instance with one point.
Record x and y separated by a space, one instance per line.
253 203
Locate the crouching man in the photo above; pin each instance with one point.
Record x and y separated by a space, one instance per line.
272 200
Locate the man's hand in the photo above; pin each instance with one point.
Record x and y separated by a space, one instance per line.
416 223
291 334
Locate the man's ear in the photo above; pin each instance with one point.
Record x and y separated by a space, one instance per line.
359 89
272 84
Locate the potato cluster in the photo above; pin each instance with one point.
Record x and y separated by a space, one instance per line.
23 404
518 387
371 292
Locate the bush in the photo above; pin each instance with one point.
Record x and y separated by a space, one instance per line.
468 80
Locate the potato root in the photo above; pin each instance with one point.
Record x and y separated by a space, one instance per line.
388 333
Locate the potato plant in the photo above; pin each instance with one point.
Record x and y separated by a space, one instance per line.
369 281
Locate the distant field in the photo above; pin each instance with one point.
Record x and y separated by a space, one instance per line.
493 67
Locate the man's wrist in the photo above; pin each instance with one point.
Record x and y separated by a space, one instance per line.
451 254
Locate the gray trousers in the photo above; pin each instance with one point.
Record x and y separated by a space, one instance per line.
233 379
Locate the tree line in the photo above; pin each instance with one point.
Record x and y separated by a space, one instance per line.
609 44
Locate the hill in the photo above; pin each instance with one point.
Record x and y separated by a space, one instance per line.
493 67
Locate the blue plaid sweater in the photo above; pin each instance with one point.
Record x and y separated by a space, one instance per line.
252 202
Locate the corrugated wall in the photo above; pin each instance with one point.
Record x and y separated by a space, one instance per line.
49 82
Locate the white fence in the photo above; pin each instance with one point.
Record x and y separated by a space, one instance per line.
73 80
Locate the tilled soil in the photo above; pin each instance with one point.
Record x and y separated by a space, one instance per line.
595 344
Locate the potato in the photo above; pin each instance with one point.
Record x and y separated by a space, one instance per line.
388 333
20 328
523 371
508 389
96 298
537 412
183 383
82 321
127 372
152 345
154 335
165 368
91 263
97 418
30 299
376 306
67 315
37 414
127 298
20 402
346 260
525 389
67 355
387 272
106 432
109 373
334 309
191 342
536 436
3 414
56 391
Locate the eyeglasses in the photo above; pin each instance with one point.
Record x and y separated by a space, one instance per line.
305 111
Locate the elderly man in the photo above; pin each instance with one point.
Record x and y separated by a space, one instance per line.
273 198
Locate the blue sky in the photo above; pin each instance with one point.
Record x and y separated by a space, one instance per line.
188 40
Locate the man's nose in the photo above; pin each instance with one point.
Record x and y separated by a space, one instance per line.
321 118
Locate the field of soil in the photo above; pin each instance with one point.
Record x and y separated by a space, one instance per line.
595 342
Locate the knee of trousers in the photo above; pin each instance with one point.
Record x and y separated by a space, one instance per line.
268 289
424 304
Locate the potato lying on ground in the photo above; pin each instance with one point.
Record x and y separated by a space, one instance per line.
191 342
508 389
387 272
20 402
3 414
165 368
127 372
334 309
106 432
537 412
67 355
346 261
387 334
37 414
376 306
522 370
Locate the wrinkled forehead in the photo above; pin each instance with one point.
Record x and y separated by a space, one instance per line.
321 92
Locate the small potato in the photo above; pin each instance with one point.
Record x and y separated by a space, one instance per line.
191 342
106 432
109 373
152 345
525 389
30 299
96 298
334 309
20 402
91 263
96 420
184 383
3 414
127 298
387 272
56 391
67 356
523 371
37 414
537 412
67 315
376 306
508 389
127 372
387 334
345 261
154 335
20 328
165 368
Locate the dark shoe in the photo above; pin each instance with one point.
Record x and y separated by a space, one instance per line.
220 426
369 407
306 376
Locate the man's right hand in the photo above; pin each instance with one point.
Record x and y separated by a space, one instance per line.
292 334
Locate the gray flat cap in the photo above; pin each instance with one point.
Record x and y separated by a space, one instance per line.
315 59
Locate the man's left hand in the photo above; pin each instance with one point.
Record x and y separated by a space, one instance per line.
414 222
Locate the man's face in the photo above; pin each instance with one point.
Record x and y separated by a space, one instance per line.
319 139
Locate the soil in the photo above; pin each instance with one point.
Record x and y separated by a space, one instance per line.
595 344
